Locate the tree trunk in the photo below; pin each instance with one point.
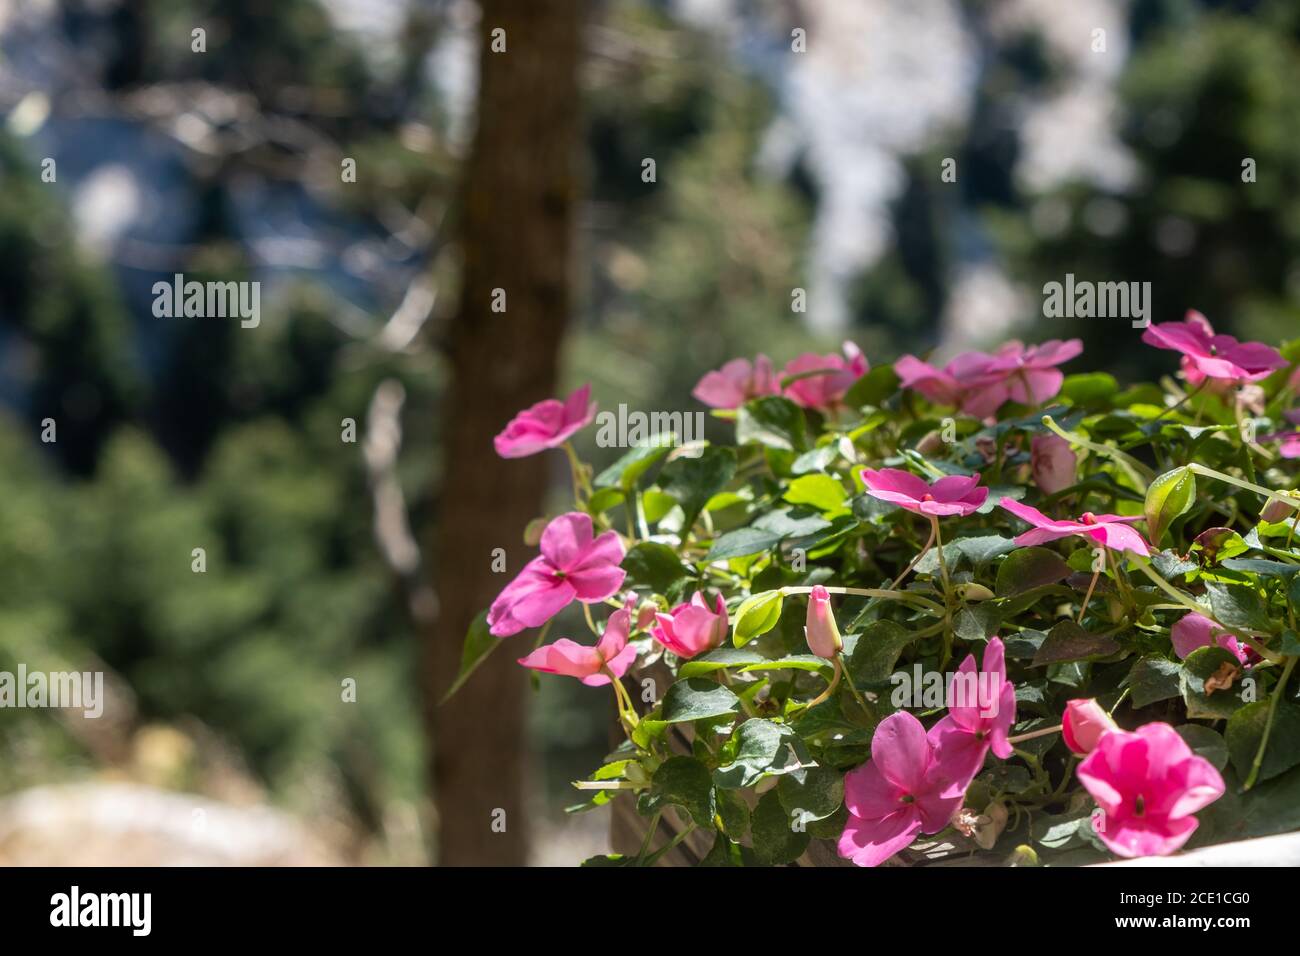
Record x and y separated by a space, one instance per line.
517 214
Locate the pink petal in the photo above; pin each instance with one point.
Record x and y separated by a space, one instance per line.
895 480
871 842
565 657
566 539
614 639
868 794
900 749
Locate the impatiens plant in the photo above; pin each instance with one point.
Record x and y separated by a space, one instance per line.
918 613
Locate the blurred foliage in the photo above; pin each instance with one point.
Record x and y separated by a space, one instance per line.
203 435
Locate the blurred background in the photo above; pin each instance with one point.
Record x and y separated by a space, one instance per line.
796 146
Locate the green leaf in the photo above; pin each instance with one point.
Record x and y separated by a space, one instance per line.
635 462
772 421
818 491
479 643
742 542
762 748
603 500
1272 569
1090 388
1154 678
813 794
816 459
1246 729
975 622
1067 641
717 659
873 388
1169 496
877 651
733 812
1029 568
1206 743
696 699
774 842
1202 664
757 615
684 782
693 481
1236 605
791 662
653 565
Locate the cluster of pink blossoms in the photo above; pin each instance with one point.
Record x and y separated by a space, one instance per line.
916 779
811 380
978 383
1148 783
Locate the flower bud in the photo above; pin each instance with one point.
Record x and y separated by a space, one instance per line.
823 634
645 615
1052 463
1277 510
973 591
1083 725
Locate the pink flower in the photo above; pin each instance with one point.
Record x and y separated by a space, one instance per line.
737 382
1148 784
1206 355
571 566
900 792
693 628
589 664
979 383
545 425
835 374
822 632
1052 463
965 382
1084 723
1030 374
951 495
1112 531
981 710
1194 631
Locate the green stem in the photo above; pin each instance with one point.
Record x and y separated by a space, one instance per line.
1088 597
1192 606
889 595
581 488
916 560
1140 473
1268 726
650 831
1286 497
857 694
830 688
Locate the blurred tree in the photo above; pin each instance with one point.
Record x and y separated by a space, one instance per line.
520 189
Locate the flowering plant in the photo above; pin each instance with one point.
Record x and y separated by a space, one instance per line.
916 612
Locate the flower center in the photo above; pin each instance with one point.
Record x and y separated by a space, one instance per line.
907 798
1088 518
927 497
1140 805
558 574
1214 349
